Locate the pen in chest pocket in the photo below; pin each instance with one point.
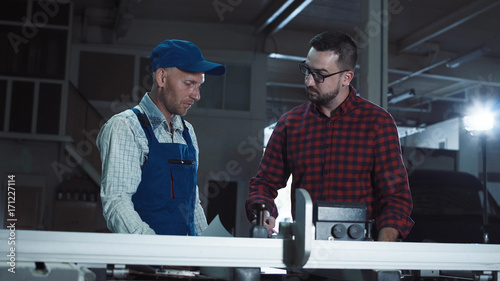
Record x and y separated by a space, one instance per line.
180 162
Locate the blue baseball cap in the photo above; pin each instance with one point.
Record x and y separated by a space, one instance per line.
185 56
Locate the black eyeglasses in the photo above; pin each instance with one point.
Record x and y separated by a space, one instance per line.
318 78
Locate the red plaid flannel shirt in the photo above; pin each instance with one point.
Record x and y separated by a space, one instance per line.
353 156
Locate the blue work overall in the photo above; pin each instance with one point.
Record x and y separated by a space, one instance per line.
165 198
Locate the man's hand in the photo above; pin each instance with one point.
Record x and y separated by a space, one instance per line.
269 222
388 234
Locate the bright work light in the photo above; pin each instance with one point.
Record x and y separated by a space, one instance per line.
479 122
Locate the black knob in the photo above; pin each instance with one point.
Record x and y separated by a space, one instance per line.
339 231
355 231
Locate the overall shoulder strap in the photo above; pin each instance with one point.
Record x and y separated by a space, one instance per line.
185 133
145 124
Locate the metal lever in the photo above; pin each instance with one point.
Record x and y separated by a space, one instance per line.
259 230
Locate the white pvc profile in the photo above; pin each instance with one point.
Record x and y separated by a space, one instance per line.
106 248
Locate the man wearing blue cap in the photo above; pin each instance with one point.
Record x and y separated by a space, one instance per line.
150 153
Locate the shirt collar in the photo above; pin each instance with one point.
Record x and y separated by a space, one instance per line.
348 105
156 117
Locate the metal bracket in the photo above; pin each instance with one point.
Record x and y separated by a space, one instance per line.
297 242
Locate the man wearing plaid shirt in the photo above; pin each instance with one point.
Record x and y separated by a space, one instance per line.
338 146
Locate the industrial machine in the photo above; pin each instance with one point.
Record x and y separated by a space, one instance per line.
341 221
44 255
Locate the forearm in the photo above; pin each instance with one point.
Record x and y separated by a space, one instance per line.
121 174
122 218
391 189
200 219
395 206
261 193
272 175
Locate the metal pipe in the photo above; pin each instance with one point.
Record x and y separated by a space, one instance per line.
485 191
418 72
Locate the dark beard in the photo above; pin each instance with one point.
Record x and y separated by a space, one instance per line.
321 100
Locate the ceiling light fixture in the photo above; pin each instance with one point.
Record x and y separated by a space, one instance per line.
455 62
285 57
401 97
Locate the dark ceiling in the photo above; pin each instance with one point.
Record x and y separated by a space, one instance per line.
424 36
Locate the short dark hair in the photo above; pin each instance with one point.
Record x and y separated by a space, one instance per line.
340 43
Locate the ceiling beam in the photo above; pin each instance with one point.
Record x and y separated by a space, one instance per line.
418 72
446 90
431 96
446 77
285 16
446 23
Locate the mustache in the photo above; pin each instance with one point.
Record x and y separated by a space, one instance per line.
312 89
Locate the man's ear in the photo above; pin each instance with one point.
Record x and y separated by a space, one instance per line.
348 75
161 77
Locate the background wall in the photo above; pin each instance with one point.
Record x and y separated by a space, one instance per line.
230 140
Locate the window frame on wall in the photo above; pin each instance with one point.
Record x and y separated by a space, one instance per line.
122 100
28 62
226 89
143 82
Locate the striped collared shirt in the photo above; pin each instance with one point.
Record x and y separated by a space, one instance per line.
124 150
